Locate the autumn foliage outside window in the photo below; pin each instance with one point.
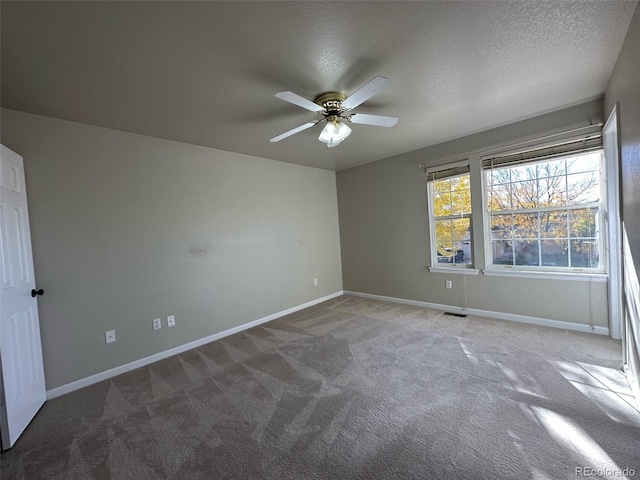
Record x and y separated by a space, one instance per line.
547 213
451 214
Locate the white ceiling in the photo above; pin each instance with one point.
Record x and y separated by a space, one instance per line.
206 72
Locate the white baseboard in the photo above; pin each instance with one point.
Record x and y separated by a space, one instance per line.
98 377
487 313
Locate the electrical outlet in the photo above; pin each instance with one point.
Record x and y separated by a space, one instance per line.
110 336
315 281
171 321
157 323
448 284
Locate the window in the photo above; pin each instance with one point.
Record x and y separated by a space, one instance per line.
450 215
545 213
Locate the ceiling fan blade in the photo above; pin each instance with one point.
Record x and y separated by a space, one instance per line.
377 120
293 131
296 99
365 92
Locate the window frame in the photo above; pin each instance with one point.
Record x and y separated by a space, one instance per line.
600 234
463 168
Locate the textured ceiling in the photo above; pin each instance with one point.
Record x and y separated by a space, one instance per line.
206 72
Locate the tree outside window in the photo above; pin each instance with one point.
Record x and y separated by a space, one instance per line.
547 213
451 210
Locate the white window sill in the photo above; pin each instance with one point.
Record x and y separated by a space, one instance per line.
572 276
455 270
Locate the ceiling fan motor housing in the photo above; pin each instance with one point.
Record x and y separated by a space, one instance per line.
331 102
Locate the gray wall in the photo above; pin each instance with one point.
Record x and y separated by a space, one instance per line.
624 89
127 228
385 239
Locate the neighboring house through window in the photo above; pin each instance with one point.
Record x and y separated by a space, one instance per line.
543 208
450 213
545 214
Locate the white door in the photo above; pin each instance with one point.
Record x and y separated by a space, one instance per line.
614 229
22 389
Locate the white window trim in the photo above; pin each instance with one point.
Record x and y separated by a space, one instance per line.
456 268
436 266
546 274
536 271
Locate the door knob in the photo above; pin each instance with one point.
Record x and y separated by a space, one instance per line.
35 292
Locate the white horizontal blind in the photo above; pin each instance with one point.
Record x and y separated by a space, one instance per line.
442 172
585 143
514 229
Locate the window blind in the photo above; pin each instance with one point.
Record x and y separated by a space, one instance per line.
439 173
586 143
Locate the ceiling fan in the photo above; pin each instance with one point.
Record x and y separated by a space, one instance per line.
334 108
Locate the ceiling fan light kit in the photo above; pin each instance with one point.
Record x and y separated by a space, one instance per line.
333 107
334 132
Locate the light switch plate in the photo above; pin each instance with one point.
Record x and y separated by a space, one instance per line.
110 336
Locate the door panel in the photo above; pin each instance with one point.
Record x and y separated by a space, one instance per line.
613 225
22 388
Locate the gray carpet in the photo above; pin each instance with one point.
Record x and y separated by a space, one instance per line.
350 389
